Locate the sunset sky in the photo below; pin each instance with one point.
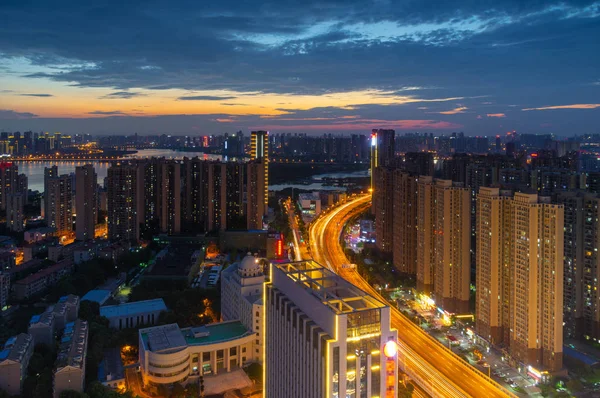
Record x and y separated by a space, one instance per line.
195 67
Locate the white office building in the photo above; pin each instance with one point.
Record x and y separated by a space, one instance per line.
325 337
241 297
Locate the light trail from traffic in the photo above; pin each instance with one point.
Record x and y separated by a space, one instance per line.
431 365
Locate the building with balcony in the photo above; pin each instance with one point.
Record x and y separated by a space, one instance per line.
69 369
14 359
42 328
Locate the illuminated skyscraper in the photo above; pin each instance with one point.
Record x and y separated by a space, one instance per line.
86 202
259 150
254 196
324 337
519 298
443 242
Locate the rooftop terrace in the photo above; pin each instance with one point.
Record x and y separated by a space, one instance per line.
331 289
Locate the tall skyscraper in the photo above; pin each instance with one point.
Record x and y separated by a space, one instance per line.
86 202
520 276
324 337
425 234
386 146
123 201
58 200
259 150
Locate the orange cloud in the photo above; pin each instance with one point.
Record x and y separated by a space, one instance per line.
496 115
460 109
574 106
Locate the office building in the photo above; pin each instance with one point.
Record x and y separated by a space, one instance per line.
404 222
15 203
123 216
520 276
133 314
169 354
58 200
14 359
69 369
324 337
86 202
41 327
241 297
259 151
581 265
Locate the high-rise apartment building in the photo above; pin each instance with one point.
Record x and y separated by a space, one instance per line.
9 182
425 234
386 146
259 150
58 200
86 202
15 203
324 337
581 264
452 244
520 276
255 194
170 197
404 221
123 201
383 204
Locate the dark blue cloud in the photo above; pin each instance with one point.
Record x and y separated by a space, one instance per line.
35 95
122 95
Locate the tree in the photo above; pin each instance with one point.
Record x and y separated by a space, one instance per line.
89 310
178 391
73 394
575 385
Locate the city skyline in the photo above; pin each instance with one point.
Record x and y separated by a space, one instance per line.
313 67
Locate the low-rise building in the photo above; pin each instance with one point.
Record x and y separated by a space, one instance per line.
41 280
310 204
111 372
134 314
14 359
8 261
114 251
99 296
41 327
169 354
65 310
33 249
69 370
39 234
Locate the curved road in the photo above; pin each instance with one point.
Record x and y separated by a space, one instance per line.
428 362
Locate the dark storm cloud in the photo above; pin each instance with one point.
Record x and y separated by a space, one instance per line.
527 52
205 98
35 95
